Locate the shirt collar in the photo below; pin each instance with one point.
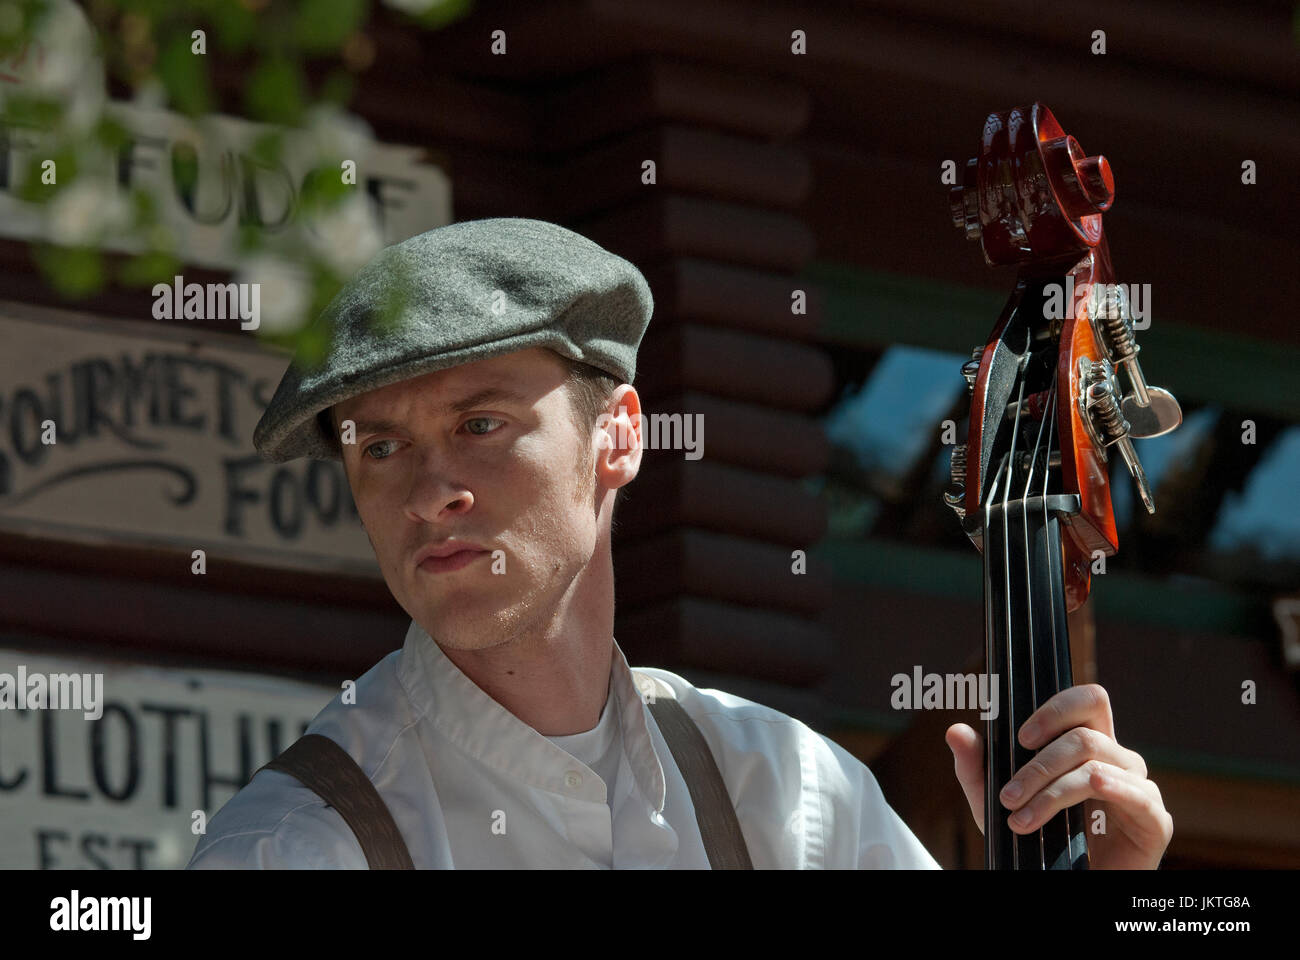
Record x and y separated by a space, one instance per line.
460 710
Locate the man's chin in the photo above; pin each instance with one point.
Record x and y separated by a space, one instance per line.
468 629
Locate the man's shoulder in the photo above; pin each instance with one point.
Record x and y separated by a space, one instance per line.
707 702
733 722
277 822
772 761
764 745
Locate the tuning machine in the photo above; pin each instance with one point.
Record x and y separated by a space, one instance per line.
971 368
955 495
1102 416
1149 411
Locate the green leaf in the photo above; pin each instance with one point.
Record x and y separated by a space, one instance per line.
154 10
325 287
311 343
111 133
235 24
72 271
28 110
267 148
21 18
66 167
443 13
322 25
184 75
144 207
249 239
322 189
274 93
149 268
338 88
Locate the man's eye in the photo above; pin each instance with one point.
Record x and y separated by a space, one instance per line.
481 420
378 444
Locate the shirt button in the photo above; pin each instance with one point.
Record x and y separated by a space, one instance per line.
573 779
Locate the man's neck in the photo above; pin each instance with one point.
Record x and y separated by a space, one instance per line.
556 688
556 677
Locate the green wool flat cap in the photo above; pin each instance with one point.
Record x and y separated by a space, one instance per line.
453 295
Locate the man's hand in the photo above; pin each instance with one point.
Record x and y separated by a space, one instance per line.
1077 759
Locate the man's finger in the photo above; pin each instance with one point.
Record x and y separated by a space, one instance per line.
1067 752
1085 705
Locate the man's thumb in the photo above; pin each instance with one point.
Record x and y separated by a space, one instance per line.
968 764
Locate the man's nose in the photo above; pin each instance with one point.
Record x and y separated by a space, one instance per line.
435 495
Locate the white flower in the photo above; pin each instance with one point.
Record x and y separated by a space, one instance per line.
284 292
85 210
329 133
348 236
64 65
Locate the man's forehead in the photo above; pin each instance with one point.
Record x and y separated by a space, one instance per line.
502 378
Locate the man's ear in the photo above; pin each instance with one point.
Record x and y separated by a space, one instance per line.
618 458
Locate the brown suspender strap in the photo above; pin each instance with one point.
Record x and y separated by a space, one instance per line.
325 767
714 813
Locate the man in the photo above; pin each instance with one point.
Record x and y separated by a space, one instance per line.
485 435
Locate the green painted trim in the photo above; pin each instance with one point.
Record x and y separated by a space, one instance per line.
865 308
1200 606
901 566
871 310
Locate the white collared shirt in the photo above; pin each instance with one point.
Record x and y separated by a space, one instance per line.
600 748
472 786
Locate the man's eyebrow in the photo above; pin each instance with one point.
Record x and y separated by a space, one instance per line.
375 426
484 396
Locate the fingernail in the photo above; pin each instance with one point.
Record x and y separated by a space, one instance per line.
1029 733
1011 791
1021 818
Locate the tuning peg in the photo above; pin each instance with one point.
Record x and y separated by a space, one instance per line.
963 201
1158 417
955 495
1102 414
1135 468
971 368
1151 411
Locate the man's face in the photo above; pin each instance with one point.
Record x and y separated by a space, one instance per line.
486 453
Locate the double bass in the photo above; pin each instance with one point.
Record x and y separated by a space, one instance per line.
1056 394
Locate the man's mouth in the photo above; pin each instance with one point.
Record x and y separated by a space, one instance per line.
452 562
447 556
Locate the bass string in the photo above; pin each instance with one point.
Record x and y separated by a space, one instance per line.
990 797
1050 416
1029 591
1006 574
